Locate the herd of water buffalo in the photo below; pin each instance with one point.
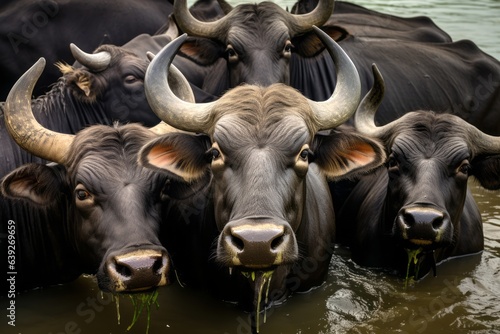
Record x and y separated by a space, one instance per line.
237 145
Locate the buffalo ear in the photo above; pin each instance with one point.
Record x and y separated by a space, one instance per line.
39 184
344 153
309 44
181 155
201 51
79 80
487 171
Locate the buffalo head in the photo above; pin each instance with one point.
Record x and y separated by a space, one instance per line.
268 164
110 202
430 159
112 79
256 40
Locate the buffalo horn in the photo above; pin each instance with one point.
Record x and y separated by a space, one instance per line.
95 61
24 128
302 23
364 118
181 89
347 94
189 24
299 23
483 143
196 117
164 103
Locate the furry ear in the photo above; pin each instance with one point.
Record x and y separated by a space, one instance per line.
486 169
180 155
36 183
309 44
80 80
346 154
202 51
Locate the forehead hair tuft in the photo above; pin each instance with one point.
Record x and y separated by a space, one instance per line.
268 105
108 144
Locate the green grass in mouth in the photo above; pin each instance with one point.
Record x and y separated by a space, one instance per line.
139 301
412 257
263 279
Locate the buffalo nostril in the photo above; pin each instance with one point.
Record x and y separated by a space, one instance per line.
158 265
437 223
237 242
122 269
269 236
256 243
423 216
137 270
275 244
408 219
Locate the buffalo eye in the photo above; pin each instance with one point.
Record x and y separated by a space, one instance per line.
392 164
82 195
304 155
215 153
302 160
287 50
130 79
464 167
231 54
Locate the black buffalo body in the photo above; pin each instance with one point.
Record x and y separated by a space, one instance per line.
418 202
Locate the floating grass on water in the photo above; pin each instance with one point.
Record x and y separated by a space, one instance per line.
412 257
139 302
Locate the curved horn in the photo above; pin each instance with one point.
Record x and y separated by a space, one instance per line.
24 128
364 118
191 25
181 89
317 17
95 61
347 94
483 143
193 117
180 85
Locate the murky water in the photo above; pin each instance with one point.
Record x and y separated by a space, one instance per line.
463 298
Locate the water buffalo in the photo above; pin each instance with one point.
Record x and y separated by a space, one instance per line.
262 43
100 88
255 40
417 205
33 29
96 211
260 166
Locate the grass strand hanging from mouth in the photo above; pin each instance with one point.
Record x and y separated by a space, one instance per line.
139 302
117 303
412 257
261 279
